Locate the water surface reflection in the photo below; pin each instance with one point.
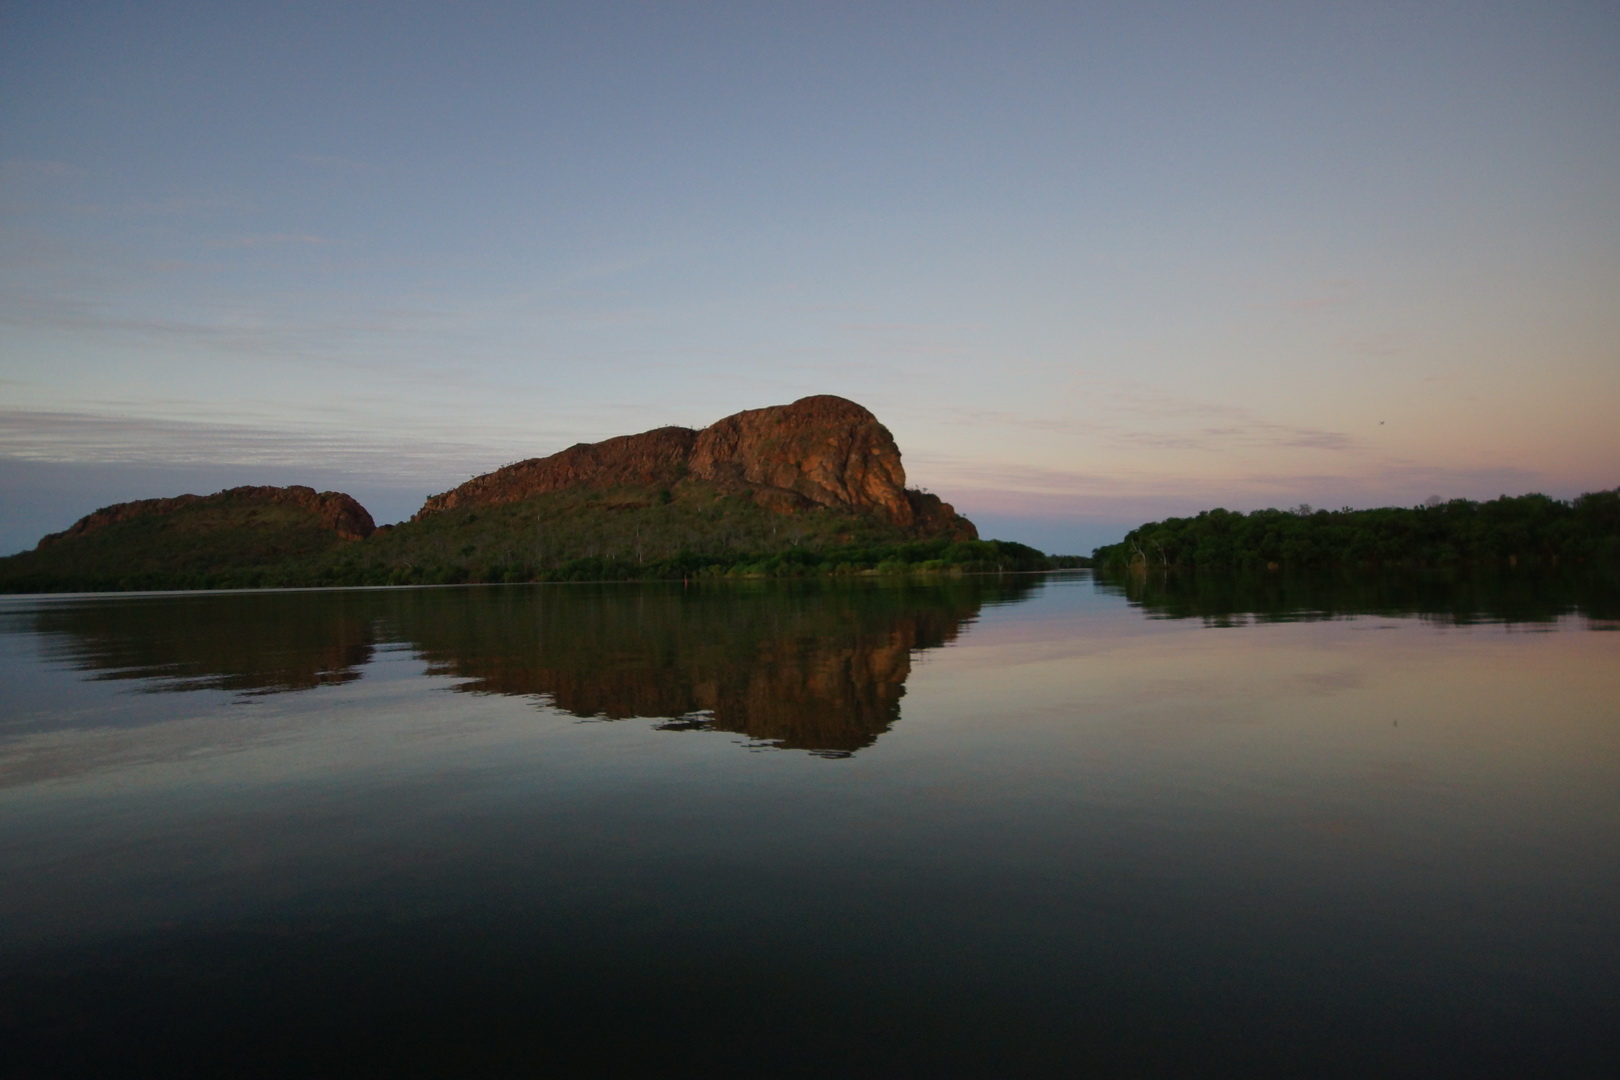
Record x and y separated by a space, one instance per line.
245 643
367 834
819 667
1454 597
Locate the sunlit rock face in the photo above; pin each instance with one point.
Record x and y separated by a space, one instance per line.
237 506
827 450
819 451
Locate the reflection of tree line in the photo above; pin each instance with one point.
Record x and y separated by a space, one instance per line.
243 642
1460 597
815 666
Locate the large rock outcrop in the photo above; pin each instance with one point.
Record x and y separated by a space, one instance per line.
827 450
332 509
819 451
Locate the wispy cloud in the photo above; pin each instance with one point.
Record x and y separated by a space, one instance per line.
1388 344
1013 488
174 206
29 169
180 205
273 240
911 339
103 438
836 309
612 267
1243 428
262 332
333 161
955 473
890 328
1336 292
1254 435
170 266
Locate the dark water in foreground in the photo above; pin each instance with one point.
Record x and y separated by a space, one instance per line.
1025 827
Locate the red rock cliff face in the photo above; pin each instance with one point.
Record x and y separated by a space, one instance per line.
828 450
819 451
336 511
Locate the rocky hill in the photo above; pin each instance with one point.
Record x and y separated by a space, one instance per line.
815 487
332 509
821 451
230 537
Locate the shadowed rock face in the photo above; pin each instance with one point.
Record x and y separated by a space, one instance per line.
234 537
652 459
819 451
332 509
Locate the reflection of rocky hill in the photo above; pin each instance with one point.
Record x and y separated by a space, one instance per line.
257 643
812 666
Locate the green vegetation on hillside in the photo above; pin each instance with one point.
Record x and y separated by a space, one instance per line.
1530 530
213 543
580 534
627 533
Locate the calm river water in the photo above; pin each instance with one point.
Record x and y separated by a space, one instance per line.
1033 826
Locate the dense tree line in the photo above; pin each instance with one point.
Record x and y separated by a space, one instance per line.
1510 531
923 556
917 557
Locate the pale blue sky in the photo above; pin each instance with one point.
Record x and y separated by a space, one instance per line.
1090 263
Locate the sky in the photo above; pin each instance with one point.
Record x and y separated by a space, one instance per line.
1091 263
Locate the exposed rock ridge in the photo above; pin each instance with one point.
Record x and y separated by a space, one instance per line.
336 511
819 451
656 457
